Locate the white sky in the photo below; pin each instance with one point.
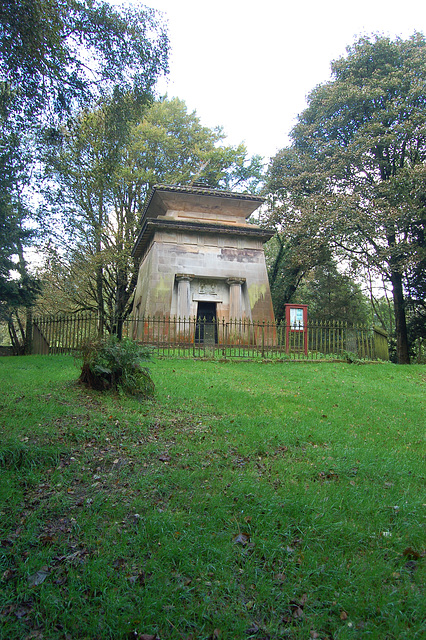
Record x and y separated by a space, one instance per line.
248 66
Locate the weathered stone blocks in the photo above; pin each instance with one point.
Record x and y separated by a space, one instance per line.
197 251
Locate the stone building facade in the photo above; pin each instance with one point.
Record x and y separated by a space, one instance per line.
200 258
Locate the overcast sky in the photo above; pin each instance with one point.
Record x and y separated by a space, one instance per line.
248 66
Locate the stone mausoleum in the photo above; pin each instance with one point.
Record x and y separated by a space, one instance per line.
200 258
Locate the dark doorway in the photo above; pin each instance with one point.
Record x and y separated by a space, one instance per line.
206 328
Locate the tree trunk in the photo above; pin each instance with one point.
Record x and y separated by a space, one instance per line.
402 353
16 346
28 345
100 301
282 292
99 267
120 301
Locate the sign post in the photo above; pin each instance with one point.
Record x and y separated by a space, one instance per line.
296 321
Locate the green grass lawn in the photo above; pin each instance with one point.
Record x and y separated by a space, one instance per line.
248 500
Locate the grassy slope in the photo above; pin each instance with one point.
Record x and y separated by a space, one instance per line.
248 500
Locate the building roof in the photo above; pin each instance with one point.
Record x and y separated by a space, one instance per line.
209 203
165 197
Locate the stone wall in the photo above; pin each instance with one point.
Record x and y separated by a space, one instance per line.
211 264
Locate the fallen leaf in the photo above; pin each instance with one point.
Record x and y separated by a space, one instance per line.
118 563
409 551
140 578
22 610
253 629
411 566
38 578
242 538
297 606
8 574
343 615
6 543
297 613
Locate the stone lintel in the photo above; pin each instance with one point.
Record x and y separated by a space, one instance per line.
206 297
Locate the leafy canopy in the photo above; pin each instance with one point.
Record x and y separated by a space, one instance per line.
355 172
56 52
99 178
57 55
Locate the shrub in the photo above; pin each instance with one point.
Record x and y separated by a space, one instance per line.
117 365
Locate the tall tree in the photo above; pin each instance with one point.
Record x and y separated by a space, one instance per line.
22 288
290 257
55 57
100 180
57 52
333 296
357 162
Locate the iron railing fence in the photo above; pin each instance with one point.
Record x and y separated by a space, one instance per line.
192 337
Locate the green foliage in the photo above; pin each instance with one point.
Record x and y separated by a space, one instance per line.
45 46
171 146
117 364
416 295
100 176
353 358
14 230
44 77
9 232
354 176
331 295
290 257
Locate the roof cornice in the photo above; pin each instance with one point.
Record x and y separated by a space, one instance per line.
151 225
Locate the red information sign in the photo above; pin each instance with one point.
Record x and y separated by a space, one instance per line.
296 320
